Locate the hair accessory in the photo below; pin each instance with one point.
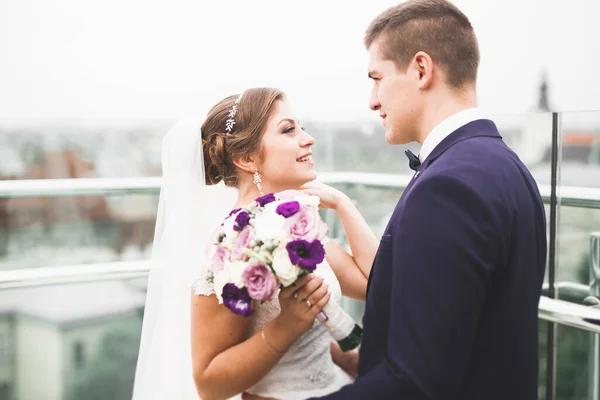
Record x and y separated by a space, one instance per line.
231 120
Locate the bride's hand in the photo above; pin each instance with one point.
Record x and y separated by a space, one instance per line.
330 197
301 303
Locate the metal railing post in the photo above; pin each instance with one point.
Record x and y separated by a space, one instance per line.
594 357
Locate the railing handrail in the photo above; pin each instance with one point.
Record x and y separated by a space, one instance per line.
552 310
42 276
571 314
573 196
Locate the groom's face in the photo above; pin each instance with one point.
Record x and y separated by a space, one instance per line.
395 96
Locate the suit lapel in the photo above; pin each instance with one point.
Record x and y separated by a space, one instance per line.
478 128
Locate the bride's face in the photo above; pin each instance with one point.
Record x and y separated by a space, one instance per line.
286 161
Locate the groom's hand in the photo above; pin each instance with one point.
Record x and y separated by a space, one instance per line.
348 361
248 396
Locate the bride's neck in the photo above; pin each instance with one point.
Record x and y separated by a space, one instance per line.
248 192
246 195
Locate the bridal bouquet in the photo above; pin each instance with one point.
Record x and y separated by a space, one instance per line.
269 244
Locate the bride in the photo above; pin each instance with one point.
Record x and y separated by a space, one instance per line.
248 145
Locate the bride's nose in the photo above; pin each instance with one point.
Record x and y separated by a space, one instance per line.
306 139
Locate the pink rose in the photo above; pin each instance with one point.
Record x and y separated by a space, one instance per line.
260 282
242 242
289 194
220 255
306 224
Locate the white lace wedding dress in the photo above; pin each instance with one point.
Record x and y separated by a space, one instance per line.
306 370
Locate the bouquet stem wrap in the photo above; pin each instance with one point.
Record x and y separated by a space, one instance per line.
340 326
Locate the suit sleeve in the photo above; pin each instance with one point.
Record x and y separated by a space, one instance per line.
442 258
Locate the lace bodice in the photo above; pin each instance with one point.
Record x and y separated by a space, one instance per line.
307 364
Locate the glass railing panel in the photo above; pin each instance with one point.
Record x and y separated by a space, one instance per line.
76 341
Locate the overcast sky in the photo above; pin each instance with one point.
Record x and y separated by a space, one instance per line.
130 59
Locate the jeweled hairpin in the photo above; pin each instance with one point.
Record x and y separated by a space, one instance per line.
231 120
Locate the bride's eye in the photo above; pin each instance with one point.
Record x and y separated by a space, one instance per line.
289 130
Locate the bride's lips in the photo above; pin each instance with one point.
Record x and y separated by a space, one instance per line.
305 158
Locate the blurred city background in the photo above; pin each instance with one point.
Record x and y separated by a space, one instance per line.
87 90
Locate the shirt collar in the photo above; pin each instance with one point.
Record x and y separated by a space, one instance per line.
446 127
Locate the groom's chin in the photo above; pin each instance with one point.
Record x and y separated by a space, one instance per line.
394 138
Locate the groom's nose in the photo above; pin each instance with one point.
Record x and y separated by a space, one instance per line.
374 101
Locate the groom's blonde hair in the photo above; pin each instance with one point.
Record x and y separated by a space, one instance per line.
436 27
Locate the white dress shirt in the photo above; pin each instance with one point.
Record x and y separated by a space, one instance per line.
446 127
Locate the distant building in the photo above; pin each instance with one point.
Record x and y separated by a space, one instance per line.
119 222
48 335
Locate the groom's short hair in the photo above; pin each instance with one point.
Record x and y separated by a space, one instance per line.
436 27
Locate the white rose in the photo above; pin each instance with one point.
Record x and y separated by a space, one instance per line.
228 225
308 200
236 270
285 270
272 206
220 280
229 240
268 226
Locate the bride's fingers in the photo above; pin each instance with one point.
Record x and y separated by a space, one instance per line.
315 297
300 283
308 289
320 304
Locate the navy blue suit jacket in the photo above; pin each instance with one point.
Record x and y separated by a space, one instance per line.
452 301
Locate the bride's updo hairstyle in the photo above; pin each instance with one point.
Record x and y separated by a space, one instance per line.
220 147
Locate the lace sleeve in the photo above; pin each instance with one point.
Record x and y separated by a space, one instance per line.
203 284
203 278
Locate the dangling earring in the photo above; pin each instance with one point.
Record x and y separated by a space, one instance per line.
258 180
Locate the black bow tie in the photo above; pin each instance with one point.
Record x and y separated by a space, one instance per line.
413 161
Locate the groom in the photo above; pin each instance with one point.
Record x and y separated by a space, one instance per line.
451 309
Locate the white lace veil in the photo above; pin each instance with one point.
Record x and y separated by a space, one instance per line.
188 212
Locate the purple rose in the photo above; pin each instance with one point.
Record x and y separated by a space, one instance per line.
306 224
242 242
241 220
306 254
219 257
266 199
237 300
288 209
260 282
231 213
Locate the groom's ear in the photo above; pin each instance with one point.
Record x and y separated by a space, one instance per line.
245 163
422 66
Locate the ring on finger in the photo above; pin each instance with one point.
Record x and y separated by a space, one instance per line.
308 304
